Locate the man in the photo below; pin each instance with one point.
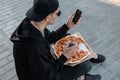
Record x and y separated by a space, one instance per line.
31 49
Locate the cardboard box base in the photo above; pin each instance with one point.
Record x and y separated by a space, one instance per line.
91 55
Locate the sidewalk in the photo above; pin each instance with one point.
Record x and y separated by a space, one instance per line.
99 26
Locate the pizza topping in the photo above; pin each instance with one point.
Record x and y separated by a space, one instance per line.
70 41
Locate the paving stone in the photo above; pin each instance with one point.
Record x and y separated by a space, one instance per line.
92 40
96 44
110 42
1 43
97 70
2 71
100 50
14 78
116 56
106 52
109 62
116 46
116 77
114 68
8 75
106 75
4 54
3 62
9 66
2 26
10 58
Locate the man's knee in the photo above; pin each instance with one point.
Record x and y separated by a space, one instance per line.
88 66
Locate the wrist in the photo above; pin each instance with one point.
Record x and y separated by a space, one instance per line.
62 59
67 25
66 56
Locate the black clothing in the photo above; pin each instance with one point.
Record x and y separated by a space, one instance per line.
41 9
33 60
70 73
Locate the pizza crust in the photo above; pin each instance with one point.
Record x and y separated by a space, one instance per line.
80 54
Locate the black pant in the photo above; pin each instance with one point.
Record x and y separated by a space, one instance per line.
70 73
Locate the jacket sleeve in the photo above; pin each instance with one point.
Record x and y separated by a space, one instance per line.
58 34
41 66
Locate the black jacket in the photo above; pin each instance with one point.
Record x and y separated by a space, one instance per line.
33 60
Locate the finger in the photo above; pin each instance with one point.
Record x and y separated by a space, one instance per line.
72 15
65 47
75 47
74 54
78 22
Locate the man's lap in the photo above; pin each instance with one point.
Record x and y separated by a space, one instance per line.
70 73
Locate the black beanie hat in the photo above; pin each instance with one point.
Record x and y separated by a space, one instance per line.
41 9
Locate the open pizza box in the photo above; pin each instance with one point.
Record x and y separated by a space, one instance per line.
84 46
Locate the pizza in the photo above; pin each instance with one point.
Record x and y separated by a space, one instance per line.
60 45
